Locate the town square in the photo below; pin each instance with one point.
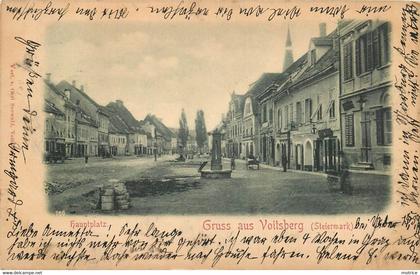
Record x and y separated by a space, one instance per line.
312 135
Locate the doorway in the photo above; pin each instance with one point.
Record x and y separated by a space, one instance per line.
308 157
366 137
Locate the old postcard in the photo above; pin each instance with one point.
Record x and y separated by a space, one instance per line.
209 135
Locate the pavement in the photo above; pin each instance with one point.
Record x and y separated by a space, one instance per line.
165 187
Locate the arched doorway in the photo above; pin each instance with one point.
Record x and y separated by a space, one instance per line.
308 158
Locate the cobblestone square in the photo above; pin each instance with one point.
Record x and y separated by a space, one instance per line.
166 187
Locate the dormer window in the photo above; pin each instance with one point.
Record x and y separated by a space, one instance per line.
313 57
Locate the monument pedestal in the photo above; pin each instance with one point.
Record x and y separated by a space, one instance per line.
216 170
216 174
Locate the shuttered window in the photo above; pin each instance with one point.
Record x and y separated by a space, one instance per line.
364 53
349 130
376 49
299 112
348 61
383 33
369 52
308 109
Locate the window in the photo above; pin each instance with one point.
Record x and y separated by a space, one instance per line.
384 126
279 119
291 112
286 115
308 109
271 115
319 113
348 61
383 40
247 108
364 54
349 130
298 112
264 114
331 111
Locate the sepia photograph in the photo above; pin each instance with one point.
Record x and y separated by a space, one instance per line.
209 135
190 119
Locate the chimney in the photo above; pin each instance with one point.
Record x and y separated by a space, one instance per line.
82 88
73 82
322 29
48 77
119 102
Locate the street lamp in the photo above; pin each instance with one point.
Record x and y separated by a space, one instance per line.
313 130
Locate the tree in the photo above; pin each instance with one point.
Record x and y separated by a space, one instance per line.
200 130
183 132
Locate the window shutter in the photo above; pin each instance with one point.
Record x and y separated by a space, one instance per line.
358 57
369 54
376 49
349 130
348 66
310 108
379 128
386 46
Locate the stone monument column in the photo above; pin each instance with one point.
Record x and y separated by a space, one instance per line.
216 152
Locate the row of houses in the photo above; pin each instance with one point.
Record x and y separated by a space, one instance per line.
327 109
77 126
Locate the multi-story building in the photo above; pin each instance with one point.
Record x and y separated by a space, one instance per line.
54 131
95 114
251 115
56 103
366 116
266 127
118 135
307 118
103 131
234 127
162 135
86 139
140 138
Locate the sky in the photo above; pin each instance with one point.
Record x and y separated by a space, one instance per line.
162 68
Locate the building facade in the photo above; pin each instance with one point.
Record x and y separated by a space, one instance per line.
307 119
95 114
366 115
60 114
234 127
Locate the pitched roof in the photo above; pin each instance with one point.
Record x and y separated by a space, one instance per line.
117 125
327 63
239 102
322 41
160 127
297 64
50 107
53 88
124 114
86 119
265 80
63 85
